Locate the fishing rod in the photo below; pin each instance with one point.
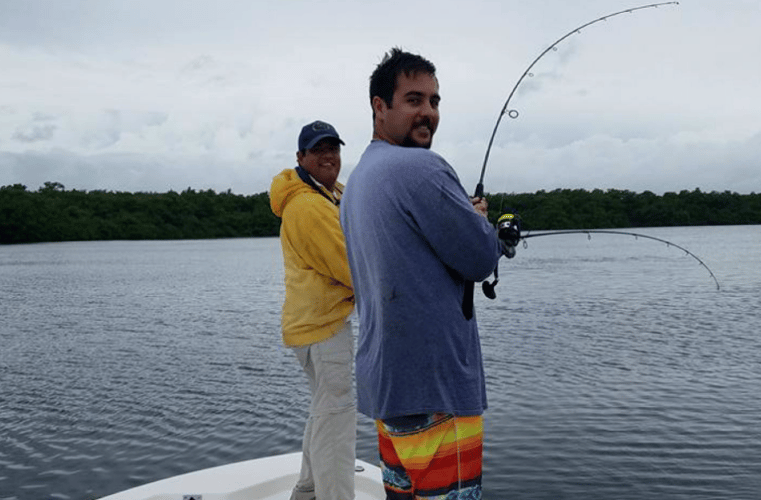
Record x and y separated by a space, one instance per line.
512 113
467 302
589 233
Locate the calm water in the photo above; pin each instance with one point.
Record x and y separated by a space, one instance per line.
615 368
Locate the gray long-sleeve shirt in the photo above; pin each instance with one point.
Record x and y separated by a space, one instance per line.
413 239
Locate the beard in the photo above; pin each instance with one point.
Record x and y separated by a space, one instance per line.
409 142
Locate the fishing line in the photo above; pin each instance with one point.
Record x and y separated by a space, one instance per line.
512 113
589 232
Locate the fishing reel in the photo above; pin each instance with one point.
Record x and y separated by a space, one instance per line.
509 234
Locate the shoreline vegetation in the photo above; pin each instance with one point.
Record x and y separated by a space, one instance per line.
53 214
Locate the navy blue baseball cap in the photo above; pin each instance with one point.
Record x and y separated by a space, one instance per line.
314 132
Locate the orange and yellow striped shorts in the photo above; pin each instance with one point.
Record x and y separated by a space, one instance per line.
431 456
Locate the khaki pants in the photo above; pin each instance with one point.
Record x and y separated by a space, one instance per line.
327 465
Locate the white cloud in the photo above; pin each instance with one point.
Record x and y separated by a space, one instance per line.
149 96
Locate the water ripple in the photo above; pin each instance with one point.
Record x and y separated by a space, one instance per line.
617 374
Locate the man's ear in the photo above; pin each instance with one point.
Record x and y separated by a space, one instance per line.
299 158
379 106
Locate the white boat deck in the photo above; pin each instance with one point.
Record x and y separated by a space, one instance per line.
270 478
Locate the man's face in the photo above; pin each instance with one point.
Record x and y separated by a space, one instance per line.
413 116
322 161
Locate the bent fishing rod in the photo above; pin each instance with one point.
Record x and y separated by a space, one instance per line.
512 113
467 302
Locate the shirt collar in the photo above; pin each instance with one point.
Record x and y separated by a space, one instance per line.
334 192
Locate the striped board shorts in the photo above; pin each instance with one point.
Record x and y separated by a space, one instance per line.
431 456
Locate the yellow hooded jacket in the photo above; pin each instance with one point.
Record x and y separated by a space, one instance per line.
318 290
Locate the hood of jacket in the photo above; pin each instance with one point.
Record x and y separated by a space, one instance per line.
287 185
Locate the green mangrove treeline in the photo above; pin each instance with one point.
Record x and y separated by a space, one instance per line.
53 213
597 209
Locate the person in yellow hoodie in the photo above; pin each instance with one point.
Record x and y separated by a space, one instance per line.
318 300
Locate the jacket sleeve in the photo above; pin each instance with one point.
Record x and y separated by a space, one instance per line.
317 236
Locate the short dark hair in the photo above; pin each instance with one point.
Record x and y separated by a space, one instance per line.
395 62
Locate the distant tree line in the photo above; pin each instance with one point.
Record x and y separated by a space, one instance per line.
581 209
53 213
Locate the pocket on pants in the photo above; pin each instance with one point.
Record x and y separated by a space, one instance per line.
333 365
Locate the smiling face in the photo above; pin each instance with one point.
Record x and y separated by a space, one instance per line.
413 116
322 161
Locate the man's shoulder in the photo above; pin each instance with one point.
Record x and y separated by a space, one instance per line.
387 149
403 161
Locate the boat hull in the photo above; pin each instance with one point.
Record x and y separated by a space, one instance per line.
269 478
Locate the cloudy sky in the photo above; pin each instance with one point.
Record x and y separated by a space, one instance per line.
153 95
